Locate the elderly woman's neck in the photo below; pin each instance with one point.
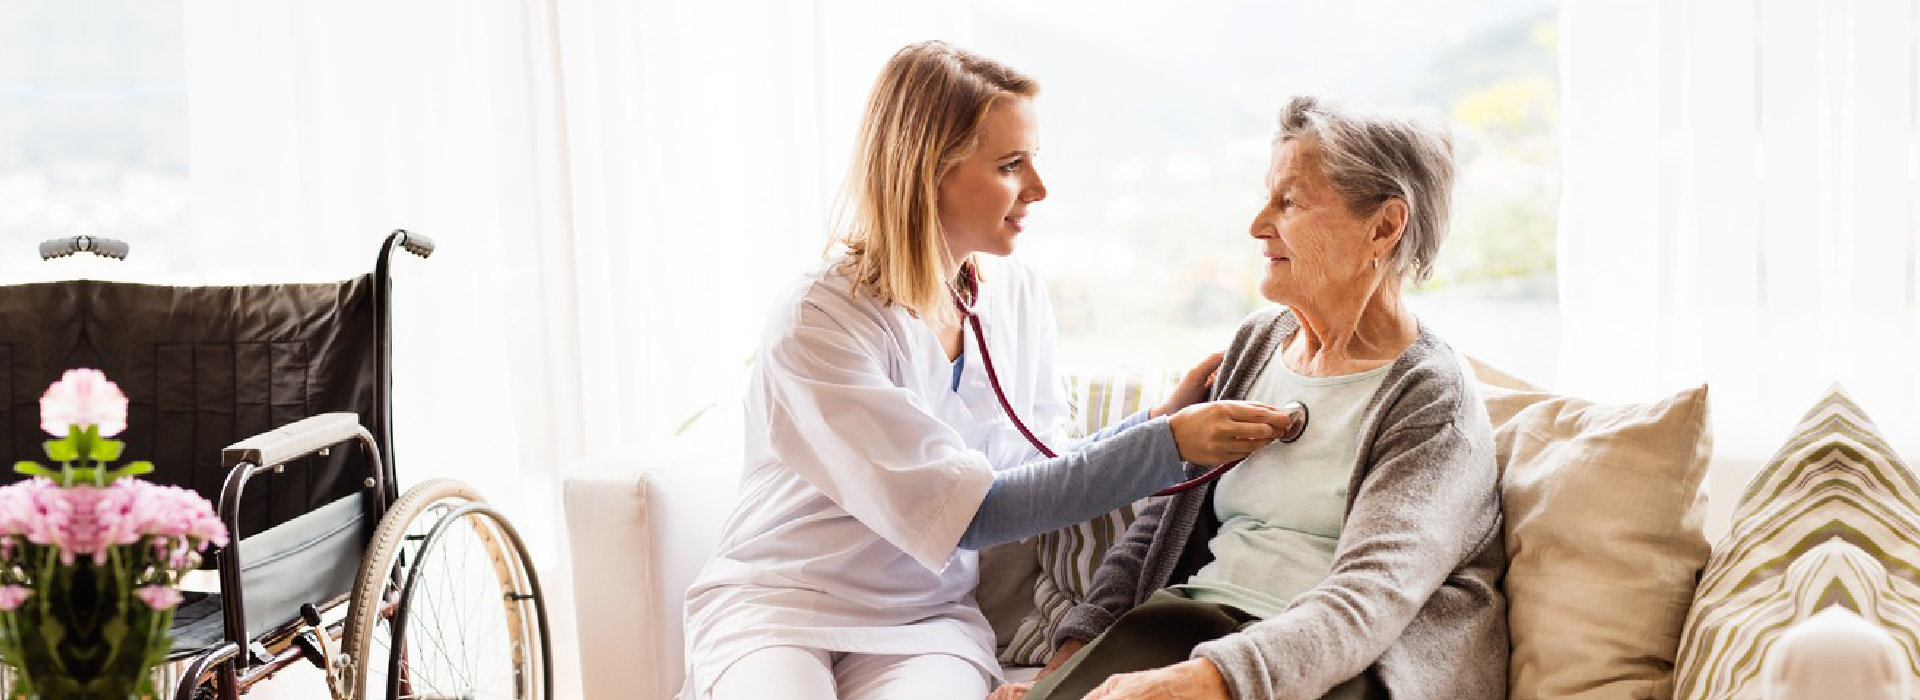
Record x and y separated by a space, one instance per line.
1345 339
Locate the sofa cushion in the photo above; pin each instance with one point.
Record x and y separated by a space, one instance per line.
1605 507
1068 557
1005 592
1835 479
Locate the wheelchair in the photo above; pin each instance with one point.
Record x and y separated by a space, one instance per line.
275 402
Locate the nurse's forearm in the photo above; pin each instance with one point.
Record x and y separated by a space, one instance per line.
1124 425
1099 477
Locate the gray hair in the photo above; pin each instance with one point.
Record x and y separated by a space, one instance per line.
1372 157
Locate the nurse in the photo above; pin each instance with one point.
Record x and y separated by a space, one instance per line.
878 456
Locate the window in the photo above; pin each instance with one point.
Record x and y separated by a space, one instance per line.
1155 125
93 128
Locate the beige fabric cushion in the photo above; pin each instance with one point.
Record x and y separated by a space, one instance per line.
1605 506
1488 374
1005 592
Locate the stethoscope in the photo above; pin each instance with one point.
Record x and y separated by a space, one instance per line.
1294 409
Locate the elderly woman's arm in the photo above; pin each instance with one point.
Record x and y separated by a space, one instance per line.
1429 506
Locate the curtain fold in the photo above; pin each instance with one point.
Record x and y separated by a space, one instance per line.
1740 209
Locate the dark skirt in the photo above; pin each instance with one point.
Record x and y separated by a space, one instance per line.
1161 632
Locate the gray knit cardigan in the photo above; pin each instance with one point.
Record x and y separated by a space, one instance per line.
1414 593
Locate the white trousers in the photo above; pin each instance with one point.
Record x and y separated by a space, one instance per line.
798 673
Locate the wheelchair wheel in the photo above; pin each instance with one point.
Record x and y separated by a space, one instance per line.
446 605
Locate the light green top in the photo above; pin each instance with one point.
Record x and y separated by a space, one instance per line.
1280 511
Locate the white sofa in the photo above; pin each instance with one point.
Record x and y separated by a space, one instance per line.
643 520
641 524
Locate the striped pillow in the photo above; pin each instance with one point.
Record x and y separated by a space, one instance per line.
1836 479
1069 556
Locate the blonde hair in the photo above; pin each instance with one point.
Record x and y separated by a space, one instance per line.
923 117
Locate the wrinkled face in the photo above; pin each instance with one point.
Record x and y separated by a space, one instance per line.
984 197
1318 250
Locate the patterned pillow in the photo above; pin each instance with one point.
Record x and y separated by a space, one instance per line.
1069 556
1835 479
1832 651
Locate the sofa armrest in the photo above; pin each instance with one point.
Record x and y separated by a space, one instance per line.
643 522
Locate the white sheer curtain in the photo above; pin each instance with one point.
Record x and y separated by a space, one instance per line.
317 127
706 142
1742 207
617 189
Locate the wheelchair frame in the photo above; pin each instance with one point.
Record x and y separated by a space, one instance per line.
234 665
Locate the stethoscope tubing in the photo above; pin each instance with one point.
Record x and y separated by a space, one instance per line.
1295 409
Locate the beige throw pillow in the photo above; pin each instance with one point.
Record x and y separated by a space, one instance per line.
1605 506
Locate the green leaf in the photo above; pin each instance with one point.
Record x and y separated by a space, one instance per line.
61 450
106 450
26 468
132 469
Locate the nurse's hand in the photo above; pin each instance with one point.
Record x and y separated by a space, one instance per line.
1193 679
1193 388
1212 434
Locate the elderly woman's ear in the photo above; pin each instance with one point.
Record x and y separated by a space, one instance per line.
1389 223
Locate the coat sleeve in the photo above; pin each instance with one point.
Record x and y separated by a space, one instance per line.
874 448
1429 505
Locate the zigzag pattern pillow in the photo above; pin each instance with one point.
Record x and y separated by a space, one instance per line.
1833 518
1069 556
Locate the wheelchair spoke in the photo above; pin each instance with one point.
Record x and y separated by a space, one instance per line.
458 641
469 615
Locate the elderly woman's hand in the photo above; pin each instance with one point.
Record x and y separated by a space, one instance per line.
1194 679
1193 387
1011 691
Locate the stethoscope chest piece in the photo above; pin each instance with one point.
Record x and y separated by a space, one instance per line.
1298 412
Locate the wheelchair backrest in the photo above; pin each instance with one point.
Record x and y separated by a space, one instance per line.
202 367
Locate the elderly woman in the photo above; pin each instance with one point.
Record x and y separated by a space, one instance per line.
1362 559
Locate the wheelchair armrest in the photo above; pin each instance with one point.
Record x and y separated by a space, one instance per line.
266 452
294 440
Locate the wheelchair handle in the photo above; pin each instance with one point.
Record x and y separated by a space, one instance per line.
414 243
103 247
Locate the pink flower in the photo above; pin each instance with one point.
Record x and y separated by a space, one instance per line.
71 521
12 596
84 521
83 397
19 506
157 597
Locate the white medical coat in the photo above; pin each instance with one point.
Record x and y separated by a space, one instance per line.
864 468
